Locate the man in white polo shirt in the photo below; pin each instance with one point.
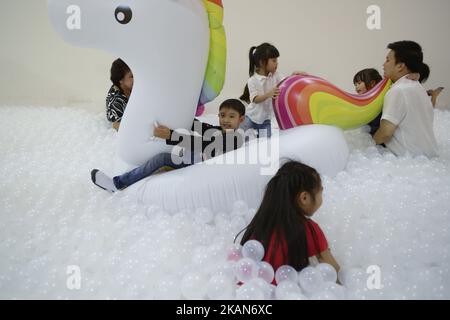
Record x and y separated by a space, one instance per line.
407 122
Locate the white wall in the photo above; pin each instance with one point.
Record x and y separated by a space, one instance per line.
328 38
38 68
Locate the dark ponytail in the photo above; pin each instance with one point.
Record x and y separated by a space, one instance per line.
251 57
246 94
259 56
424 71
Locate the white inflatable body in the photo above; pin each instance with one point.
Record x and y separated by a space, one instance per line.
166 45
218 186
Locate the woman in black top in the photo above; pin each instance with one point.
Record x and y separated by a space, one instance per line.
119 93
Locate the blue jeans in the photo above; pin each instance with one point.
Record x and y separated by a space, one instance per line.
264 129
151 166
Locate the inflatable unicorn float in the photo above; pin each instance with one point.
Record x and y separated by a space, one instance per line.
177 51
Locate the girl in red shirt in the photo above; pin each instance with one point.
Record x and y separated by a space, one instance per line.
283 222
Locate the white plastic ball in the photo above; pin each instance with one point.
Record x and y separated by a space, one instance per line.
323 295
295 297
226 269
287 288
328 272
240 208
337 290
234 253
353 278
249 291
264 286
266 272
203 215
168 288
286 273
253 250
193 286
245 270
220 288
310 280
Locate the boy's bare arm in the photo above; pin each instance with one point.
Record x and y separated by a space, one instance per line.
385 133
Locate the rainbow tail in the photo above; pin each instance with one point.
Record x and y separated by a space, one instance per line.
215 71
307 99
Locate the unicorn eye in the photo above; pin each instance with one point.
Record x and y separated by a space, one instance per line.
123 14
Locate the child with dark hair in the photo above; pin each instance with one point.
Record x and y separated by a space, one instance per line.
407 122
119 93
364 81
205 136
283 221
262 88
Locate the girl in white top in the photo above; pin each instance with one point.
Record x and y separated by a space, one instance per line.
262 88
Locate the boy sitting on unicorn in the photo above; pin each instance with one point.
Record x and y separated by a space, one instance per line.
206 141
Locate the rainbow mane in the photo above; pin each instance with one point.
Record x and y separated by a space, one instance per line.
215 71
307 99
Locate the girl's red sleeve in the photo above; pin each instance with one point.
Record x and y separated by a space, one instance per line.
317 242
